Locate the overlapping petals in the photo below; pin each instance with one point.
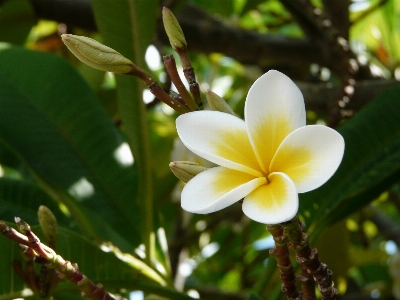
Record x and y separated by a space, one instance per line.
220 138
274 108
309 155
272 203
267 160
217 188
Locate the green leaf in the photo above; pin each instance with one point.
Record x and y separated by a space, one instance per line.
250 4
22 198
54 123
129 28
221 7
16 21
370 165
254 297
10 283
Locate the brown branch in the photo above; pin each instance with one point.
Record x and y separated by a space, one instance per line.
207 34
76 13
322 97
338 12
387 227
203 33
281 254
70 272
307 257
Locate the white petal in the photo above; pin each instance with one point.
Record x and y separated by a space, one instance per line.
274 108
272 203
220 138
217 188
309 156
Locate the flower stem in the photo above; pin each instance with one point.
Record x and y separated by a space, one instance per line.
156 90
170 66
307 257
281 253
190 75
307 284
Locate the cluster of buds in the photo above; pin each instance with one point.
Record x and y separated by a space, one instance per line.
107 59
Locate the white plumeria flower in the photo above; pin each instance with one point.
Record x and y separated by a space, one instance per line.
267 159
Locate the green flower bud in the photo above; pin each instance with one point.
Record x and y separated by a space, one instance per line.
185 170
48 223
217 103
173 30
97 55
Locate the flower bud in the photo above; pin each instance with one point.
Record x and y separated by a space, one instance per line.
217 103
48 223
97 55
186 170
173 30
23 227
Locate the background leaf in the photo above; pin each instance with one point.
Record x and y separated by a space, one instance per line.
53 122
22 198
134 21
370 165
18 16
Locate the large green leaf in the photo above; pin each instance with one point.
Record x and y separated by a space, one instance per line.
22 198
370 165
129 27
16 21
54 123
10 283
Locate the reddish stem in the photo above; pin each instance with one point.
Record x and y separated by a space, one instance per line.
281 253
307 257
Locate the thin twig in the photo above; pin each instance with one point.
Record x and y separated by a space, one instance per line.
67 270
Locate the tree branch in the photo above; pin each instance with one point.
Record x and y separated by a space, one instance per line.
207 34
338 11
321 97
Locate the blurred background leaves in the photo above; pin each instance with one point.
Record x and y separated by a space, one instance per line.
95 147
